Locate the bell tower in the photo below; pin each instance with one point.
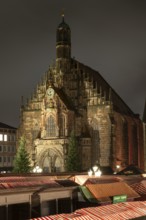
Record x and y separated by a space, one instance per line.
63 42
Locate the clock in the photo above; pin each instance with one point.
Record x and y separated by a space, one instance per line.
50 92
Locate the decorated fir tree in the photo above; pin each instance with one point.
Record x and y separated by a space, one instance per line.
73 161
21 161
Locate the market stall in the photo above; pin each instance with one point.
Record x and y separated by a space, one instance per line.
119 211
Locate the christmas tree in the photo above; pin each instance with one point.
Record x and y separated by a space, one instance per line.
73 161
21 161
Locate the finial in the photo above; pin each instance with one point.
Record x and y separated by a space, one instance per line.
62 14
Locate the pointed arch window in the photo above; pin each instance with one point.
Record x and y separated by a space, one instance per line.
95 141
51 127
62 125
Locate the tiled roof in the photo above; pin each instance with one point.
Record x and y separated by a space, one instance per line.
119 211
13 182
139 187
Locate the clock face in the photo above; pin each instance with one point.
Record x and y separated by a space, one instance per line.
50 92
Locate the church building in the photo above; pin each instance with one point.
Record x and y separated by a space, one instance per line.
73 97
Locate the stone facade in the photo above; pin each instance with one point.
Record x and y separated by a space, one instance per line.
72 96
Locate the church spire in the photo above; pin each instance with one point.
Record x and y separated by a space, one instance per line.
63 41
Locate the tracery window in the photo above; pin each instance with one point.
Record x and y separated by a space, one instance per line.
51 127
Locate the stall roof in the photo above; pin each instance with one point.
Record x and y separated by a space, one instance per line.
127 210
107 190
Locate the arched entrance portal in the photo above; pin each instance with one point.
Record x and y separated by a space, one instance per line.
51 161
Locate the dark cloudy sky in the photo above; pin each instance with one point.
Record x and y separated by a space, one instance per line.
107 35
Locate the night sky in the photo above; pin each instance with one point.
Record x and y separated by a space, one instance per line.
107 35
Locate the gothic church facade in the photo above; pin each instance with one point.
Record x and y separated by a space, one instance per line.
73 97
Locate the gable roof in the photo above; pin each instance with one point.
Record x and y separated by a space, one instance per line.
118 104
102 191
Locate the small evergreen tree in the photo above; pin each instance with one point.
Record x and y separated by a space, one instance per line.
73 162
21 161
